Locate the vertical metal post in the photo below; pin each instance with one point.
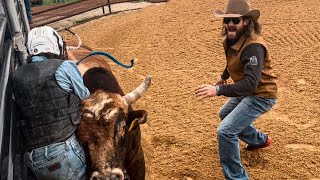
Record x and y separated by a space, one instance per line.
3 91
13 16
24 16
3 80
109 5
3 25
19 34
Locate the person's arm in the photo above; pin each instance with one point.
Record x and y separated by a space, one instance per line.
223 78
209 90
225 75
69 78
253 59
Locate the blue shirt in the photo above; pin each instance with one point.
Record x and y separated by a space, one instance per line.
68 77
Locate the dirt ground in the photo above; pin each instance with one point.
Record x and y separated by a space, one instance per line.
179 45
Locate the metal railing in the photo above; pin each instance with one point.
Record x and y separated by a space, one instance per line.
6 113
13 30
3 25
60 12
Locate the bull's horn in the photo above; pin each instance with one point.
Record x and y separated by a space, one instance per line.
136 94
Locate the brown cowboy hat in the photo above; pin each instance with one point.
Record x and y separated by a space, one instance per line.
238 8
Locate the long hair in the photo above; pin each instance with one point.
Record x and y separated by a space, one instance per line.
248 30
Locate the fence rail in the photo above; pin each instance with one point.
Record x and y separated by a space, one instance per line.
59 12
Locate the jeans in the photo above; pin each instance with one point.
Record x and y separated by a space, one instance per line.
59 161
237 116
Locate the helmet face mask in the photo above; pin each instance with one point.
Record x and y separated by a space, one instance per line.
44 39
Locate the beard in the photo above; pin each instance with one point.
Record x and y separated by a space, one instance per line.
233 34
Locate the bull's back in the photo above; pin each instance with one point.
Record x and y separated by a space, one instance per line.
92 61
107 81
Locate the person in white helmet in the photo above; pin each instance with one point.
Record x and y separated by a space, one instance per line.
48 91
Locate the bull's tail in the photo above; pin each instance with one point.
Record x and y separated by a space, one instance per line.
107 55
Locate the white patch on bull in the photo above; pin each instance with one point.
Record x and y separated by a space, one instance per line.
108 101
124 101
87 115
97 114
95 174
111 114
118 172
121 130
96 109
101 102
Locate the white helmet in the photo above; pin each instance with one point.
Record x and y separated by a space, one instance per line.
44 40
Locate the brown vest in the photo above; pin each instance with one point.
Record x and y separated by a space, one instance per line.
267 87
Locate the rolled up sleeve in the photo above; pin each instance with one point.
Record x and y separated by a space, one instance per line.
69 78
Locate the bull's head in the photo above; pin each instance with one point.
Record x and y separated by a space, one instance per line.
105 129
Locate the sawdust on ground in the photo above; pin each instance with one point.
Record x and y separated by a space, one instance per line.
178 43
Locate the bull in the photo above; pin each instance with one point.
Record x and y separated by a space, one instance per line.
109 129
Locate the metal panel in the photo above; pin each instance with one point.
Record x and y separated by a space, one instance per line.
3 25
5 113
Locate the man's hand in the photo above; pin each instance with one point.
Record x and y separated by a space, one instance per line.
221 81
206 90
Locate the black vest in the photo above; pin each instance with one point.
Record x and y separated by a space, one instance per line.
50 114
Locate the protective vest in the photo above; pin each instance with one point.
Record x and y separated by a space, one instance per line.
49 113
267 87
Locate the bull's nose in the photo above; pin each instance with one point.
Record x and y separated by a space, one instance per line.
96 178
115 177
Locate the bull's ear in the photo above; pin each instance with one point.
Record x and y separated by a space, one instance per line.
136 117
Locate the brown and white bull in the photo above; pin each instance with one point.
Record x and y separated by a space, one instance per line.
109 128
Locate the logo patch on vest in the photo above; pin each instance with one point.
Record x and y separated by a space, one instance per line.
253 60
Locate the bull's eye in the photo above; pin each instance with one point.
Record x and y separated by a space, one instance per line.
110 113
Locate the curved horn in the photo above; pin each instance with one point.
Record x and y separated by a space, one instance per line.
136 94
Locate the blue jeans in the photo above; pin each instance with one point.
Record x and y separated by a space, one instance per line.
59 161
237 116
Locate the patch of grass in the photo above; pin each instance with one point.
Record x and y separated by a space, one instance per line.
86 20
53 2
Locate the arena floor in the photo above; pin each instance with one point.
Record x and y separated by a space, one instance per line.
179 44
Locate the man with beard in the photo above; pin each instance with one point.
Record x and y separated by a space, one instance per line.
253 92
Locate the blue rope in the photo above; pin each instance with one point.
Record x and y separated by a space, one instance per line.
107 55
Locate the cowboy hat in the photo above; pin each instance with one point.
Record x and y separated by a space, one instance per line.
238 8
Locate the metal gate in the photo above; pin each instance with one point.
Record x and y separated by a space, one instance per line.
13 52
